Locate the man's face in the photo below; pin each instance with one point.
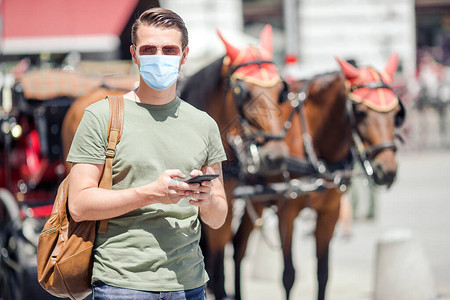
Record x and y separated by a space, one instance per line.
151 40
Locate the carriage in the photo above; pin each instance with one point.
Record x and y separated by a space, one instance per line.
32 165
31 168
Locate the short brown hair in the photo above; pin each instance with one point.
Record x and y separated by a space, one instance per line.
161 17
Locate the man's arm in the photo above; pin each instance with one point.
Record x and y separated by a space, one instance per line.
89 202
212 199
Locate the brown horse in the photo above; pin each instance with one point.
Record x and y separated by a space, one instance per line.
334 120
241 91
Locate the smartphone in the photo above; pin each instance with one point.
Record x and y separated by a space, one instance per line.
200 178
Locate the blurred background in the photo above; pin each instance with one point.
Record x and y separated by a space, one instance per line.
307 35
90 40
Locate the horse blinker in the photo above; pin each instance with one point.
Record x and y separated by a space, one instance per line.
240 93
401 115
284 93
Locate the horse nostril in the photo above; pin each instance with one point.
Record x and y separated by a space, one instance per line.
383 177
275 160
389 177
277 157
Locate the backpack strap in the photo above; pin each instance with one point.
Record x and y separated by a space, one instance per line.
115 128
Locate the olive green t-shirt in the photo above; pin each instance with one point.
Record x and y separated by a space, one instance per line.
156 247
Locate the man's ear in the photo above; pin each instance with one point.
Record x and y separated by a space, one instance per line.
133 54
184 55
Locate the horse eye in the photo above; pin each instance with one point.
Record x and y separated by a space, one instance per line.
360 115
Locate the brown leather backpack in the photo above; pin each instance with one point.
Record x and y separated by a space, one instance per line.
64 253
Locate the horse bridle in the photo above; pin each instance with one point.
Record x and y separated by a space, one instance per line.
373 85
364 154
251 138
241 96
338 177
373 150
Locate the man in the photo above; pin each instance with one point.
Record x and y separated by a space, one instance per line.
151 249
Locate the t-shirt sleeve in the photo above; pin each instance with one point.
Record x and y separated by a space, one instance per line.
90 140
216 152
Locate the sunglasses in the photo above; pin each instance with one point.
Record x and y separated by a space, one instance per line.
153 50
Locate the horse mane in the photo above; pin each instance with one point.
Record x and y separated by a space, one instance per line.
321 83
198 88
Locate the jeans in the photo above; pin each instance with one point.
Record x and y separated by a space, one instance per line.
102 291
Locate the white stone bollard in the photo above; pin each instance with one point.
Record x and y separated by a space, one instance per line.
402 270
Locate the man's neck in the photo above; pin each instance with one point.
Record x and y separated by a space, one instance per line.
147 95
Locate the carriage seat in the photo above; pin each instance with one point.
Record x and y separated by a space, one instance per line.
53 83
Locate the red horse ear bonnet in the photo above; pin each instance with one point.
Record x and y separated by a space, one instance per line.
381 99
264 74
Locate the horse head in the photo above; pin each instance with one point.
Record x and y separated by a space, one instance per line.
253 92
375 112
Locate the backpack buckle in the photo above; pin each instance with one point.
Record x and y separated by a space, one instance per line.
110 153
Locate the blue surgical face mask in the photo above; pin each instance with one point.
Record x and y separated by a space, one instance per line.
159 71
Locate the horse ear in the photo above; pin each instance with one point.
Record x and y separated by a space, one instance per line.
232 52
391 65
350 71
266 39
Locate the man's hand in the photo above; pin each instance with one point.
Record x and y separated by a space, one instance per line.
209 196
169 190
200 193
